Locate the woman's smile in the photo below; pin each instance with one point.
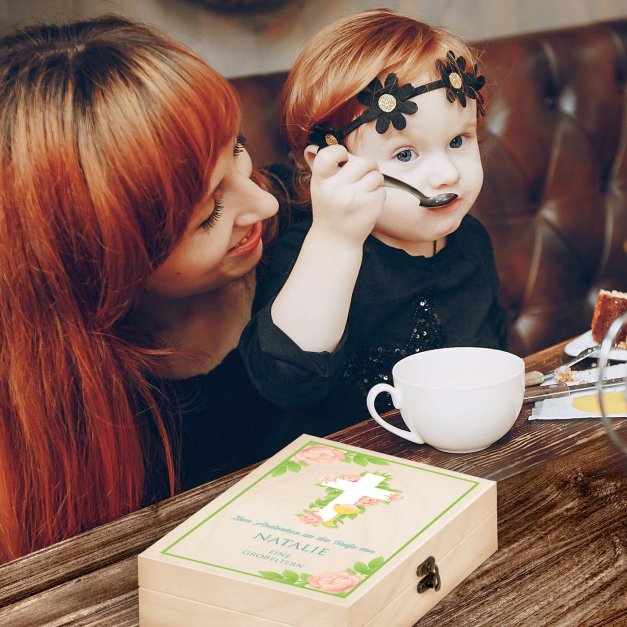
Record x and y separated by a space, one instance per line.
249 242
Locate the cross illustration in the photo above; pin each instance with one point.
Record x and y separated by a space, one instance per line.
352 491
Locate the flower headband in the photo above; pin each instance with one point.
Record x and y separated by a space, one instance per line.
390 103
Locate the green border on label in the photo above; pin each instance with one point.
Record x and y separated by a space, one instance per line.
166 551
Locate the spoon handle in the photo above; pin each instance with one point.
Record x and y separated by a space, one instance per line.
426 201
390 181
587 352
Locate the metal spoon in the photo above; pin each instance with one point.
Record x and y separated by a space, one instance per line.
535 377
587 352
426 201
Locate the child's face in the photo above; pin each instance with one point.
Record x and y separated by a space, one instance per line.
437 152
223 239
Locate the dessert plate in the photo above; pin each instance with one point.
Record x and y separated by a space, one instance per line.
585 340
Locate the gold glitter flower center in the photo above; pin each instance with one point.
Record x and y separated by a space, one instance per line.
330 139
387 102
455 79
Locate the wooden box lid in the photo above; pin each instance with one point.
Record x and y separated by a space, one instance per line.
322 533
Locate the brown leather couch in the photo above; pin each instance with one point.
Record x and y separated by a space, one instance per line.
555 158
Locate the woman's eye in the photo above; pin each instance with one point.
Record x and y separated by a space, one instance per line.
405 155
457 141
213 217
240 143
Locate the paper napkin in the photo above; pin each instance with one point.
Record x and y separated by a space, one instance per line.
585 404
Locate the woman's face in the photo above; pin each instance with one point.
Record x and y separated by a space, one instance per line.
222 241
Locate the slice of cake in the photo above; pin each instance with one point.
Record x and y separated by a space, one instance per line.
608 307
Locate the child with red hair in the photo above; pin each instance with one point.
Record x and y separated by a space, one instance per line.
375 274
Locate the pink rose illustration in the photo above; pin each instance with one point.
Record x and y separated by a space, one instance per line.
368 500
334 581
310 518
319 454
395 496
350 477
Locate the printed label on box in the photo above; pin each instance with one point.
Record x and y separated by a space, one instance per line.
324 519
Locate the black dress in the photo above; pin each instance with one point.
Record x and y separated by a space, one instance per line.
218 423
401 305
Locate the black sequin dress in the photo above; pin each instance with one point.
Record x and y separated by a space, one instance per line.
401 305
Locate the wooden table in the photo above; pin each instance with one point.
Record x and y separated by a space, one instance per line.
562 558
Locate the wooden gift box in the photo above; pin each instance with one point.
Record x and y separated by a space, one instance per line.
321 534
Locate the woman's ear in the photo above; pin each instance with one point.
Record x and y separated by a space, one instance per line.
310 154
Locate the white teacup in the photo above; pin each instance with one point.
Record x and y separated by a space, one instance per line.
458 400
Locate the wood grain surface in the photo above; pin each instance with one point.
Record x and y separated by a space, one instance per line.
562 556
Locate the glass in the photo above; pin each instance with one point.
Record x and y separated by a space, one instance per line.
606 347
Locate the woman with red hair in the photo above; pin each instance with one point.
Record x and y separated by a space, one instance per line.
130 228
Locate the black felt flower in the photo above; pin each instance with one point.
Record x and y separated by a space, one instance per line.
458 82
387 103
324 136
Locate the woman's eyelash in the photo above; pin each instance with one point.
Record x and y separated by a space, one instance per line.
239 145
213 218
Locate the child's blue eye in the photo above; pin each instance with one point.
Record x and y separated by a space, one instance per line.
405 155
457 142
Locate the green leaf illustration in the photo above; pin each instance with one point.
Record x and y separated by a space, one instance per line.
375 564
377 461
268 574
290 576
279 470
361 568
360 460
293 466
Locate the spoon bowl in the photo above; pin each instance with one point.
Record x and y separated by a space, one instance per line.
426 201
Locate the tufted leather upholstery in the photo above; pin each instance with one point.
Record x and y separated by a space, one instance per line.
555 159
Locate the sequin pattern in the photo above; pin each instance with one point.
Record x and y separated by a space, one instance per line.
374 365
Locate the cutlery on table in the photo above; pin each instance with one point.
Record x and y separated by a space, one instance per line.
585 353
543 392
427 201
535 377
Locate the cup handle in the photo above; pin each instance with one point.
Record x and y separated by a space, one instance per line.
396 399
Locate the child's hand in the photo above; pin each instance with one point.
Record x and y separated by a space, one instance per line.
347 197
347 194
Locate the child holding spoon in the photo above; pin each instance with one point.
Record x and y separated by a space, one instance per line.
375 275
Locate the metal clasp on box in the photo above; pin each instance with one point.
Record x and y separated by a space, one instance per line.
430 574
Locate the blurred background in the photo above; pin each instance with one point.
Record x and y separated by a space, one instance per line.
243 37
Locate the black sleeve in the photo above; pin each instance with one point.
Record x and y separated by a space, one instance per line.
281 371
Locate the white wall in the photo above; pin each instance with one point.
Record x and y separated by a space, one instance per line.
241 44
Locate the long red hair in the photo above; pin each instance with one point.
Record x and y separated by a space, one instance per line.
109 132
343 58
